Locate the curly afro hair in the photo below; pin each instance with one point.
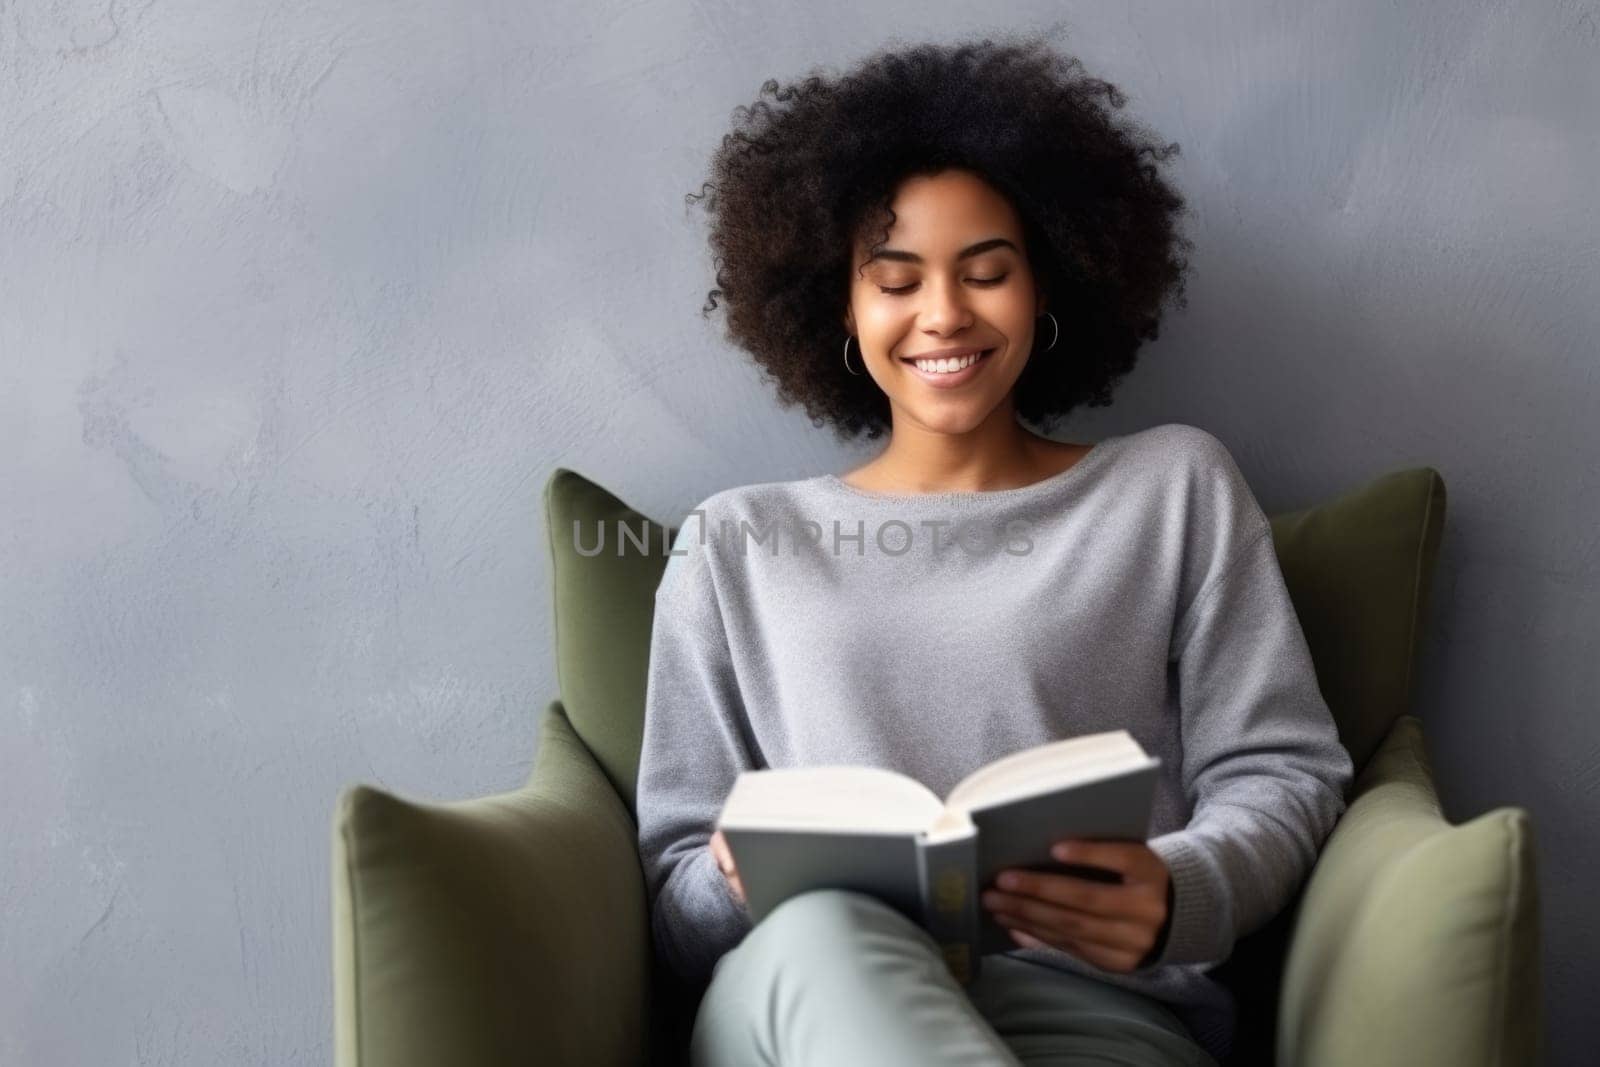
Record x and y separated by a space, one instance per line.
798 182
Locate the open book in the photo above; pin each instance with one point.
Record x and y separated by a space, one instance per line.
794 829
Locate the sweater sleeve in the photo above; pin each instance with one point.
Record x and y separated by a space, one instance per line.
693 748
1262 765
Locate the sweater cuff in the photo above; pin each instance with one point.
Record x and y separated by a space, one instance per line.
1160 946
698 919
1199 909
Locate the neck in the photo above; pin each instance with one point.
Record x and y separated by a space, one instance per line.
999 454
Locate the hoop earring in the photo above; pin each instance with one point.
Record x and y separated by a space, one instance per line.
847 355
1057 336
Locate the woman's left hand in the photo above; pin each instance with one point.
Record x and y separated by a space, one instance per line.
1111 926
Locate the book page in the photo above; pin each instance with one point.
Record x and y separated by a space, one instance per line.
842 798
951 823
1048 766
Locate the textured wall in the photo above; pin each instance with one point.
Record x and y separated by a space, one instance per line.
300 304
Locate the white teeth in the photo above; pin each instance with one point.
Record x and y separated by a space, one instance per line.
947 366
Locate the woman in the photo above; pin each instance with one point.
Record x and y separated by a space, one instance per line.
990 247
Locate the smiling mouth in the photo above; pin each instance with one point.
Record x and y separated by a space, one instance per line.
952 370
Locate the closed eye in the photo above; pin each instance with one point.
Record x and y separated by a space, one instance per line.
901 290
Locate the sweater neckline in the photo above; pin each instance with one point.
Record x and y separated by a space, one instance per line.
1096 454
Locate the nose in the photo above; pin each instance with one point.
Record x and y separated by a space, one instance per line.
944 310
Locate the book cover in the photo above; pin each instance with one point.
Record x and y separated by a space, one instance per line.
775 865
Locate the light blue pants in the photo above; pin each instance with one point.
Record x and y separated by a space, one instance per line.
836 978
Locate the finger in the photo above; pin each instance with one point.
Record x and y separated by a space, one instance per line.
1136 901
1118 961
730 878
1131 859
1117 935
719 849
1115 960
1023 938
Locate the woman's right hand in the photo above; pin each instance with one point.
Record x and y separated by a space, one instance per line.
724 858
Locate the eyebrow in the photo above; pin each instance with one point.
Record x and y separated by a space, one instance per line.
970 250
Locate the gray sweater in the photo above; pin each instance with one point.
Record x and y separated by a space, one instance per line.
811 622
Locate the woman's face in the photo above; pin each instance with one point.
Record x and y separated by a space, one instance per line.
922 295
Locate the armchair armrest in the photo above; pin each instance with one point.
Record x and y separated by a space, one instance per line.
505 929
1417 942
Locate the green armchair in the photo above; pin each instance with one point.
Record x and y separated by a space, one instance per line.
512 929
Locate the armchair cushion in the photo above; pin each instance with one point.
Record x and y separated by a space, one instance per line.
1405 910
1359 569
505 929
604 608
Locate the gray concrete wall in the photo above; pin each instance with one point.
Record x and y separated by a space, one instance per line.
300 304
